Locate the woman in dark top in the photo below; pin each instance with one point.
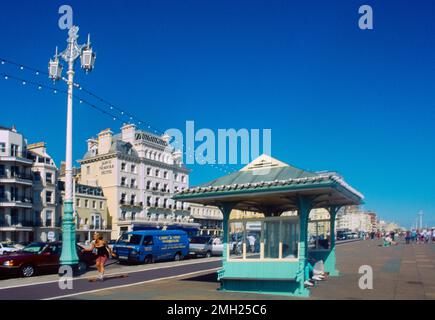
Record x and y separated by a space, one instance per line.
102 251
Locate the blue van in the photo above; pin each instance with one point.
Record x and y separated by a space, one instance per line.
148 246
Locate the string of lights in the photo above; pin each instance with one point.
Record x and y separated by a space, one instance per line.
121 115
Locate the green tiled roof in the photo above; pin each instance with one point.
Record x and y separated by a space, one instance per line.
261 175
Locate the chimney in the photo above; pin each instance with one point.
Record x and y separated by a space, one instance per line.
104 141
127 133
92 142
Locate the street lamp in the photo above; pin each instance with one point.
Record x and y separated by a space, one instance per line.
70 55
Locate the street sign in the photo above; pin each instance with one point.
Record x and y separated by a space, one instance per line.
50 236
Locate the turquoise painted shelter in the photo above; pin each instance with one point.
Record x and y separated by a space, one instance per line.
270 254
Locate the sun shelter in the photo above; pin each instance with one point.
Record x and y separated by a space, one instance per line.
270 254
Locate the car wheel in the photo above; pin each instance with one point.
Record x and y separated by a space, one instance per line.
82 267
177 257
208 254
148 259
27 271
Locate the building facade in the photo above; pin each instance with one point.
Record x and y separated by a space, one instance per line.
90 211
208 217
45 193
139 173
17 221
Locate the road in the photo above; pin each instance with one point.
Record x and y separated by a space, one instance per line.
49 289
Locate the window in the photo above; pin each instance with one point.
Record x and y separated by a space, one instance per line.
157 173
157 186
132 199
123 181
123 214
165 203
183 179
14 150
148 185
88 170
123 196
2 147
49 197
49 177
133 183
157 202
77 203
133 168
268 238
101 205
2 170
165 187
123 165
48 218
94 204
165 174
148 201
176 177
96 221
148 241
86 203
148 171
2 192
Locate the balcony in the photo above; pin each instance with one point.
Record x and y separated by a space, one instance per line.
17 178
17 225
131 204
15 156
24 202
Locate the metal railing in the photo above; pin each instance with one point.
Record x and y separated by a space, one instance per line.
11 175
16 199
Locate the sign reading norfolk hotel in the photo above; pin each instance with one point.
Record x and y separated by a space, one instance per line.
106 167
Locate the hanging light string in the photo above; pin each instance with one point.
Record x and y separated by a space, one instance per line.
187 152
122 116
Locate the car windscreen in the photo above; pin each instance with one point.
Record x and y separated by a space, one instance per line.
8 245
128 238
34 248
199 240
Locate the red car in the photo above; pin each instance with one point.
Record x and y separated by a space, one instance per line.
40 257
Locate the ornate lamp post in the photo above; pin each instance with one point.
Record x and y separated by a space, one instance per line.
70 55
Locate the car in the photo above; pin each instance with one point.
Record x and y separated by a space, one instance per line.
21 245
148 246
111 243
201 246
40 257
217 247
6 248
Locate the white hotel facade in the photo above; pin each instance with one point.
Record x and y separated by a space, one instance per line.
139 173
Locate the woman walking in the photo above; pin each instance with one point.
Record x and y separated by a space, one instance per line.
102 251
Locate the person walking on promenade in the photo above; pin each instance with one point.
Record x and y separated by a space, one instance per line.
407 237
100 248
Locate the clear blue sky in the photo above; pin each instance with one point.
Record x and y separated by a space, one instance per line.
336 97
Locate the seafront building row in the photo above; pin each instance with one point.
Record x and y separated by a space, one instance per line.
124 180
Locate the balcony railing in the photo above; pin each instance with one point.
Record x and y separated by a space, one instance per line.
130 203
17 224
12 175
16 199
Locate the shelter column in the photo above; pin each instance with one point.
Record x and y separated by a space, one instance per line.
226 211
304 208
331 259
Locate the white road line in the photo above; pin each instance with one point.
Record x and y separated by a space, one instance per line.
111 274
132 284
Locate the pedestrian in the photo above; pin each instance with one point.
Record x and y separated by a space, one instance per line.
407 237
100 248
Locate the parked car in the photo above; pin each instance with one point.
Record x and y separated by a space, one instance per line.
7 248
217 247
40 257
21 245
111 243
148 246
201 246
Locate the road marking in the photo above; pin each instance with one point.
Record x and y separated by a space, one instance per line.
132 284
111 274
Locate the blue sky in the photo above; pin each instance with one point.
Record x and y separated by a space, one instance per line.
336 97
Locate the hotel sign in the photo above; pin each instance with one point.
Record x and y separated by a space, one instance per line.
106 167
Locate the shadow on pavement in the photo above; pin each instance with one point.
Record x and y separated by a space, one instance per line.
210 277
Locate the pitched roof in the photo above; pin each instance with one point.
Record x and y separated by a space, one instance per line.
267 175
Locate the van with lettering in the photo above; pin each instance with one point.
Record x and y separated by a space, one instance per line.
149 246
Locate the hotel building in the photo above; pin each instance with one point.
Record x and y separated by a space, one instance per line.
139 173
17 221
